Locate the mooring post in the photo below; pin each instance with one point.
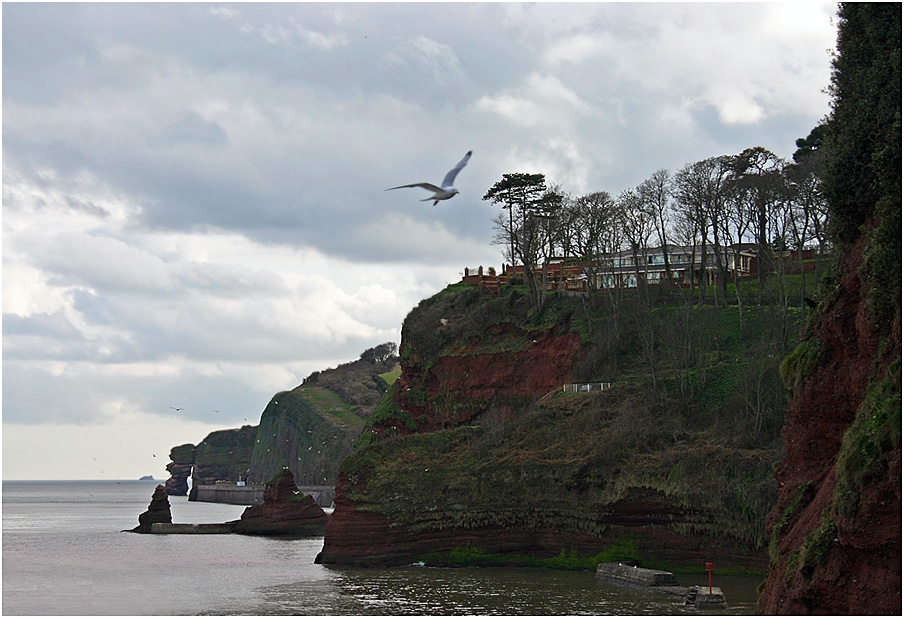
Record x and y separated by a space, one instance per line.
709 568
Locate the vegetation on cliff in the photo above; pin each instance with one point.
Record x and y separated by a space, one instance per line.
222 455
682 443
308 429
836 530
311 428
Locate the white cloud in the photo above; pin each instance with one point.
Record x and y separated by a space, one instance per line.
287 33
543 99
429 57
575 48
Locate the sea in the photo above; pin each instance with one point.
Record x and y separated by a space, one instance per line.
65 552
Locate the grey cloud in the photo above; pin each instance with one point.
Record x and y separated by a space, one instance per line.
35 396
192 129
284 123
81 397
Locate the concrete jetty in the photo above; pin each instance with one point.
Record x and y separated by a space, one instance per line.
701 597
224 528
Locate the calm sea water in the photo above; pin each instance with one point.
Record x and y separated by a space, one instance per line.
64 554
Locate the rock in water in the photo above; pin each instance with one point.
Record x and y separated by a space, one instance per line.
180 467
285 511
158 511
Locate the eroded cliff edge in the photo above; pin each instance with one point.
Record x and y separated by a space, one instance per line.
477 455
836 530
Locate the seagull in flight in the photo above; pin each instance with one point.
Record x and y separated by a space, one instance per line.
446 190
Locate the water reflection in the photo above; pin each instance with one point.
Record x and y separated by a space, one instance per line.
485 591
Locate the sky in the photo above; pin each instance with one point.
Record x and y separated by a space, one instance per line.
195 211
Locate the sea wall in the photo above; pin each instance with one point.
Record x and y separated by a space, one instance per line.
254 494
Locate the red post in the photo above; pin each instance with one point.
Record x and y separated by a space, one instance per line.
709 568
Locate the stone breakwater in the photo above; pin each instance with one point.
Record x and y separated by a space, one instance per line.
284 512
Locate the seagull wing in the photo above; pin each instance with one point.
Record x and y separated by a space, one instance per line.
450 177
422 185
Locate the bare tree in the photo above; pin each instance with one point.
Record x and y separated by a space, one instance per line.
637 225
700 189
804 180
654 194
593 216
738 221
549 220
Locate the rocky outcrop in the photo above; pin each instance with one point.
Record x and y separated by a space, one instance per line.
158 512
223 455
285 511
181 460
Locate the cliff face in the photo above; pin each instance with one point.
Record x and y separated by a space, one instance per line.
462 456
221 456
836 530
836 544
307 430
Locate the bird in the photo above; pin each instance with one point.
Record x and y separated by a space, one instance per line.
445 191
176 409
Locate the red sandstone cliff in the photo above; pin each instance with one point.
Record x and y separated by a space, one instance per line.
472 378
828 560
836 530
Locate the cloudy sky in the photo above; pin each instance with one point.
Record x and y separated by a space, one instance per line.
194 213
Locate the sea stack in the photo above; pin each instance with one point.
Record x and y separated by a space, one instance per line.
285 511
158 512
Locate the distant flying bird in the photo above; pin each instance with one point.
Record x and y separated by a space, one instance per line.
446 190
176 409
